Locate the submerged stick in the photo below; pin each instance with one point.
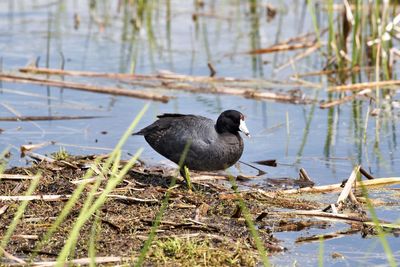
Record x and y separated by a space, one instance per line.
85 87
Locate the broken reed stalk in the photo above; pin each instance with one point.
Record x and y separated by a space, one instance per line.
337 102
246 92
281 48
174 81
359 86
298 57
85 87
348 186
161 76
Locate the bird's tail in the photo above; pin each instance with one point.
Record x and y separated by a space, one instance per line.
138 133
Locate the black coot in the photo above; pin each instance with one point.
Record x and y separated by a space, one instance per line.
214 146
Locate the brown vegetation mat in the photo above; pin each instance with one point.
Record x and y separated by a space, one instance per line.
205 225
200 220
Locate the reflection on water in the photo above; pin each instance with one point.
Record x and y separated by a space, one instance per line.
184 37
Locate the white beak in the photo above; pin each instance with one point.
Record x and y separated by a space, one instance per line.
243 128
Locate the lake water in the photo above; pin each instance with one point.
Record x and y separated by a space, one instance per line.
327 143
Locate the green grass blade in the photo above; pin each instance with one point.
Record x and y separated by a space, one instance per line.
18 214
82 218
321 252
311 8
161 212
381 233
250 224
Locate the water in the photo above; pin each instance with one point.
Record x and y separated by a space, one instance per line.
326 144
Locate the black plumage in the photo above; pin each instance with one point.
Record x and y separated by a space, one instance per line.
214 146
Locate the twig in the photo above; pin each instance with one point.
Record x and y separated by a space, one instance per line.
12 257
305 179
14 191
15 177
133 199
212 69
30 147
35 197
366 174
84 261
38 157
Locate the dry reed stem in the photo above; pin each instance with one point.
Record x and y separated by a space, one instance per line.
169 80
85 87
348 186
360 86
245 92
38 157
48 118
336 187
350 218
364 93
80 73
329 72
281 48
35 197
298 57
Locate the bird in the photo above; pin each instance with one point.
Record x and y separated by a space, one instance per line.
213 145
